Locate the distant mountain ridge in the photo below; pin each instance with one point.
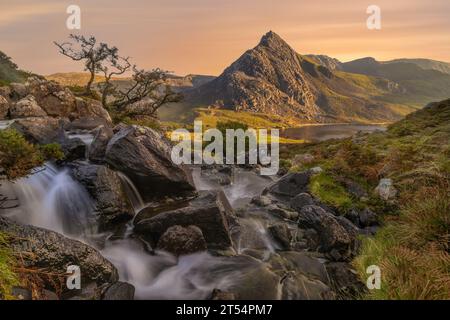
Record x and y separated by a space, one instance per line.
273 78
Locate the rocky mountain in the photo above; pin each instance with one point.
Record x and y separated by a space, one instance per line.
274 79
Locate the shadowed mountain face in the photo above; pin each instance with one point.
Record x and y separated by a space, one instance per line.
274 79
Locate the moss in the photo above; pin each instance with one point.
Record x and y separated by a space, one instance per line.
324 187
52 151
8 278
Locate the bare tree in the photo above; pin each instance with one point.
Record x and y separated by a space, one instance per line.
117 66
80 48
147 93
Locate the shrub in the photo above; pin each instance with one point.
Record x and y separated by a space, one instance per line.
8 277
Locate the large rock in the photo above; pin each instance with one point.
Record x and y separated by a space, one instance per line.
210 212
48 250
290 185
335 240
345 280
91 112
119 291
18 91
105 187
26 107
73 149
182 240
144 155
56 100
39 130
97 149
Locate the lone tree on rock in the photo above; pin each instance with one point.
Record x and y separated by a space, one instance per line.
94 54
147 92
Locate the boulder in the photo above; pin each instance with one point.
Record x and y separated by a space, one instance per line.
302 159
368 218
144 155
18 91
119 291
97 149
386 190
4 108
290 185
91 112
182 240
39 130
334 239
56 100
105 187
73 149
301 200
210 212
5 92
296 286
25 108
281 233
48 250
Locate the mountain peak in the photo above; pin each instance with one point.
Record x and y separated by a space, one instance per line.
271 39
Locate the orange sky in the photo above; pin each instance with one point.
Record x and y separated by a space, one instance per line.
205 36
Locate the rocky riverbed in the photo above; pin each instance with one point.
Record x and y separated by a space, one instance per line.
141 227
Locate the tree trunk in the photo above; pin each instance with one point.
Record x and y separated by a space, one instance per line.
89 84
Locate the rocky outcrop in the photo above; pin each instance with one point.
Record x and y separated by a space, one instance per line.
210 212
26 107
182 240
104 185
48 250
89 109
41 130
144 155
98 146
386 190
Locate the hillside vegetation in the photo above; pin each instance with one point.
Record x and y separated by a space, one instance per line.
412 247
9 71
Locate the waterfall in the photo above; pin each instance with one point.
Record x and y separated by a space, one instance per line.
132 193
51 199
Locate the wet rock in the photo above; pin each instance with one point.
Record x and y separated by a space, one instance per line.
386 189
39 130
218 294
344 280
26 107
40 248
210 212
301 200
256 281
104 185
73 149
334 239
21 293
4 108
281 234
296 286
119 291
290 185
98 146
144 155
182 240
262 201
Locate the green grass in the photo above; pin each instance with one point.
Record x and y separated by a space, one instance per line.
8 277
325 188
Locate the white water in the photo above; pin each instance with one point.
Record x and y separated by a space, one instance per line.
4 124
51 199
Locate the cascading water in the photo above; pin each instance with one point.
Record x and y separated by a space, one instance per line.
51 199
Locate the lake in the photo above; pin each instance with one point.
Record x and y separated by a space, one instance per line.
316 133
